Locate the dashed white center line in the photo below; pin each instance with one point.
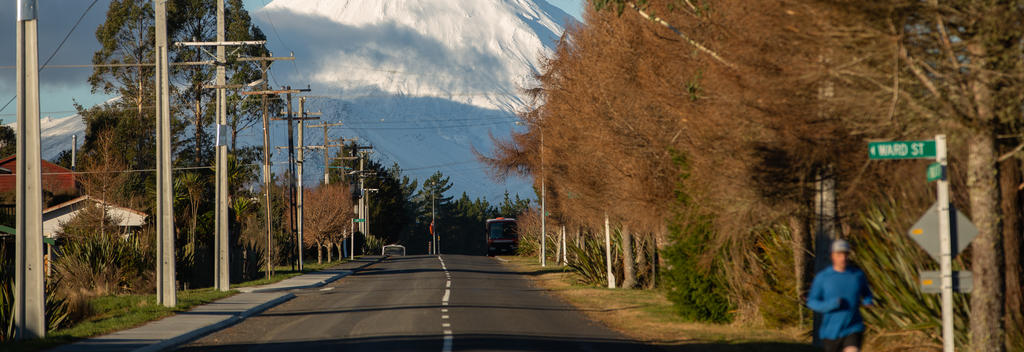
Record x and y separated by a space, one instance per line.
448 334
326 288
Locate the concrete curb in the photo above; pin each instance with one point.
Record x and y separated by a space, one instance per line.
197 333
320 283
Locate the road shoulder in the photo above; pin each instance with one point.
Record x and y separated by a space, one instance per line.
647 316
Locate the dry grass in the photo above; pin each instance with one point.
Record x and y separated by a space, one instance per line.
646 315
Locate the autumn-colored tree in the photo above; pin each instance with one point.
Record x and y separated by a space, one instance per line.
328 212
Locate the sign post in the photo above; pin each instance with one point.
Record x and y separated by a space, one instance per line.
936 172
945 245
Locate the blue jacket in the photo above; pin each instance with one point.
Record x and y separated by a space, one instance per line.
838 297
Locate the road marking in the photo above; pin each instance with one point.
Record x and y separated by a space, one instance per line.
501 259
448 338
326 288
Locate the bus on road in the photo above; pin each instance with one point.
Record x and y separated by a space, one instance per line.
502 236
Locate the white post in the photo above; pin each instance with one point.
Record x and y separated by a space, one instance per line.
565 257
29 302
543 226
165 285
945 246
608 251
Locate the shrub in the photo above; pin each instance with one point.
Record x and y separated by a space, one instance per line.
696 286
697 290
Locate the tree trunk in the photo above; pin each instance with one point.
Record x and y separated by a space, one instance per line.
320 253
628 269
1009 180
986 261
328 245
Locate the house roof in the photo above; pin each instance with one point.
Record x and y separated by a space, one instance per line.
87 197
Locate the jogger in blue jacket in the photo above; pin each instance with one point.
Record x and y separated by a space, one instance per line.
838 293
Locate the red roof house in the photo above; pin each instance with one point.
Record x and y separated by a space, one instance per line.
56 179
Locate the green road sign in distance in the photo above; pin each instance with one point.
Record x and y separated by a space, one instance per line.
926 231
359 220
935 172
901 150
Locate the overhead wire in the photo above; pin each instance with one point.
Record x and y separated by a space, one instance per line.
54 53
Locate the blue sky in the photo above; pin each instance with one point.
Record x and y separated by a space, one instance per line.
60 87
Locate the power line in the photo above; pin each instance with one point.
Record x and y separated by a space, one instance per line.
66 36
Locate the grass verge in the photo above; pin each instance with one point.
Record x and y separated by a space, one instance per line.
647 316
120 312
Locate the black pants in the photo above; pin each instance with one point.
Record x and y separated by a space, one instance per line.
837 345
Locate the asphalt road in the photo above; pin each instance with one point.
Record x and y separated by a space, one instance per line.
421 303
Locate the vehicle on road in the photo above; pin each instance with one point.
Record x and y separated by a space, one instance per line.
393 250
502 235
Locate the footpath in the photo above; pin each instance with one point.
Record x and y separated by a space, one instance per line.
178 329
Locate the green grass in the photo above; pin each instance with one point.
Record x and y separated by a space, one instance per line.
114 313
120 312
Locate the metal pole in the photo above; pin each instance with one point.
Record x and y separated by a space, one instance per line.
352 241
543 209
222 281
945 246
302 113
164 196
29 300
74 151
608 251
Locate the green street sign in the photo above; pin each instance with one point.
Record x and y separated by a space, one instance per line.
359 220
901 150
935 172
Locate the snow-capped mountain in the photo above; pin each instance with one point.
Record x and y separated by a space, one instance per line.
423 81
56 133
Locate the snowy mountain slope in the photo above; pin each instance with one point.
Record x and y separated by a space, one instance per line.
56 133
424 81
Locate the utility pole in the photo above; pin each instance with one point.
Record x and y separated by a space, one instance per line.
29 298
433 210
295 166
326 149
222 243
266 172
264 64
165 284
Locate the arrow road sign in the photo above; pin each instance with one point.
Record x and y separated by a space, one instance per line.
926 232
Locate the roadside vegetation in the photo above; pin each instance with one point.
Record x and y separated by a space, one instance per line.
724 144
